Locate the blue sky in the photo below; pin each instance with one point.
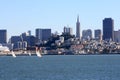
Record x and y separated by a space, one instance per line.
19 16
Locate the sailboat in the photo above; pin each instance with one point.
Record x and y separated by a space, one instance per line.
29 53
38 52
13 54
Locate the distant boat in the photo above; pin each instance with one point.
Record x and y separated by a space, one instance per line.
13 54
29 53
38 52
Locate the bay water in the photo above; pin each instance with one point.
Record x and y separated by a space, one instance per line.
60 67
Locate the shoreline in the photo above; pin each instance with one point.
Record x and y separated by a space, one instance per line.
34 54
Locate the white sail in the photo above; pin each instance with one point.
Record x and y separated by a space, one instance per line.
13 54
29 53
38 54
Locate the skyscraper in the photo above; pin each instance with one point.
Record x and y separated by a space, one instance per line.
68 30
87 34
78 28
15 40
22 41
108 29
3 36
117 36
98 34
29 33
43 34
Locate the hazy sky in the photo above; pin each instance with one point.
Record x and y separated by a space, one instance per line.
19 16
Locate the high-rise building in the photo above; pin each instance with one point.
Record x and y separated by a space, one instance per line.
19 41
31 40
98 34
108 29
43 34
78 28
29 33
26 34
87 34
117 36
3 36
68 30
15 40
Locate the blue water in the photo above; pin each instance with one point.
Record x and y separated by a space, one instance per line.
65 67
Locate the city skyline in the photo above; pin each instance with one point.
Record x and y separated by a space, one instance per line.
70 30
19 16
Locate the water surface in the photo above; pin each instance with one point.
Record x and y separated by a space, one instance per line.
65 67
